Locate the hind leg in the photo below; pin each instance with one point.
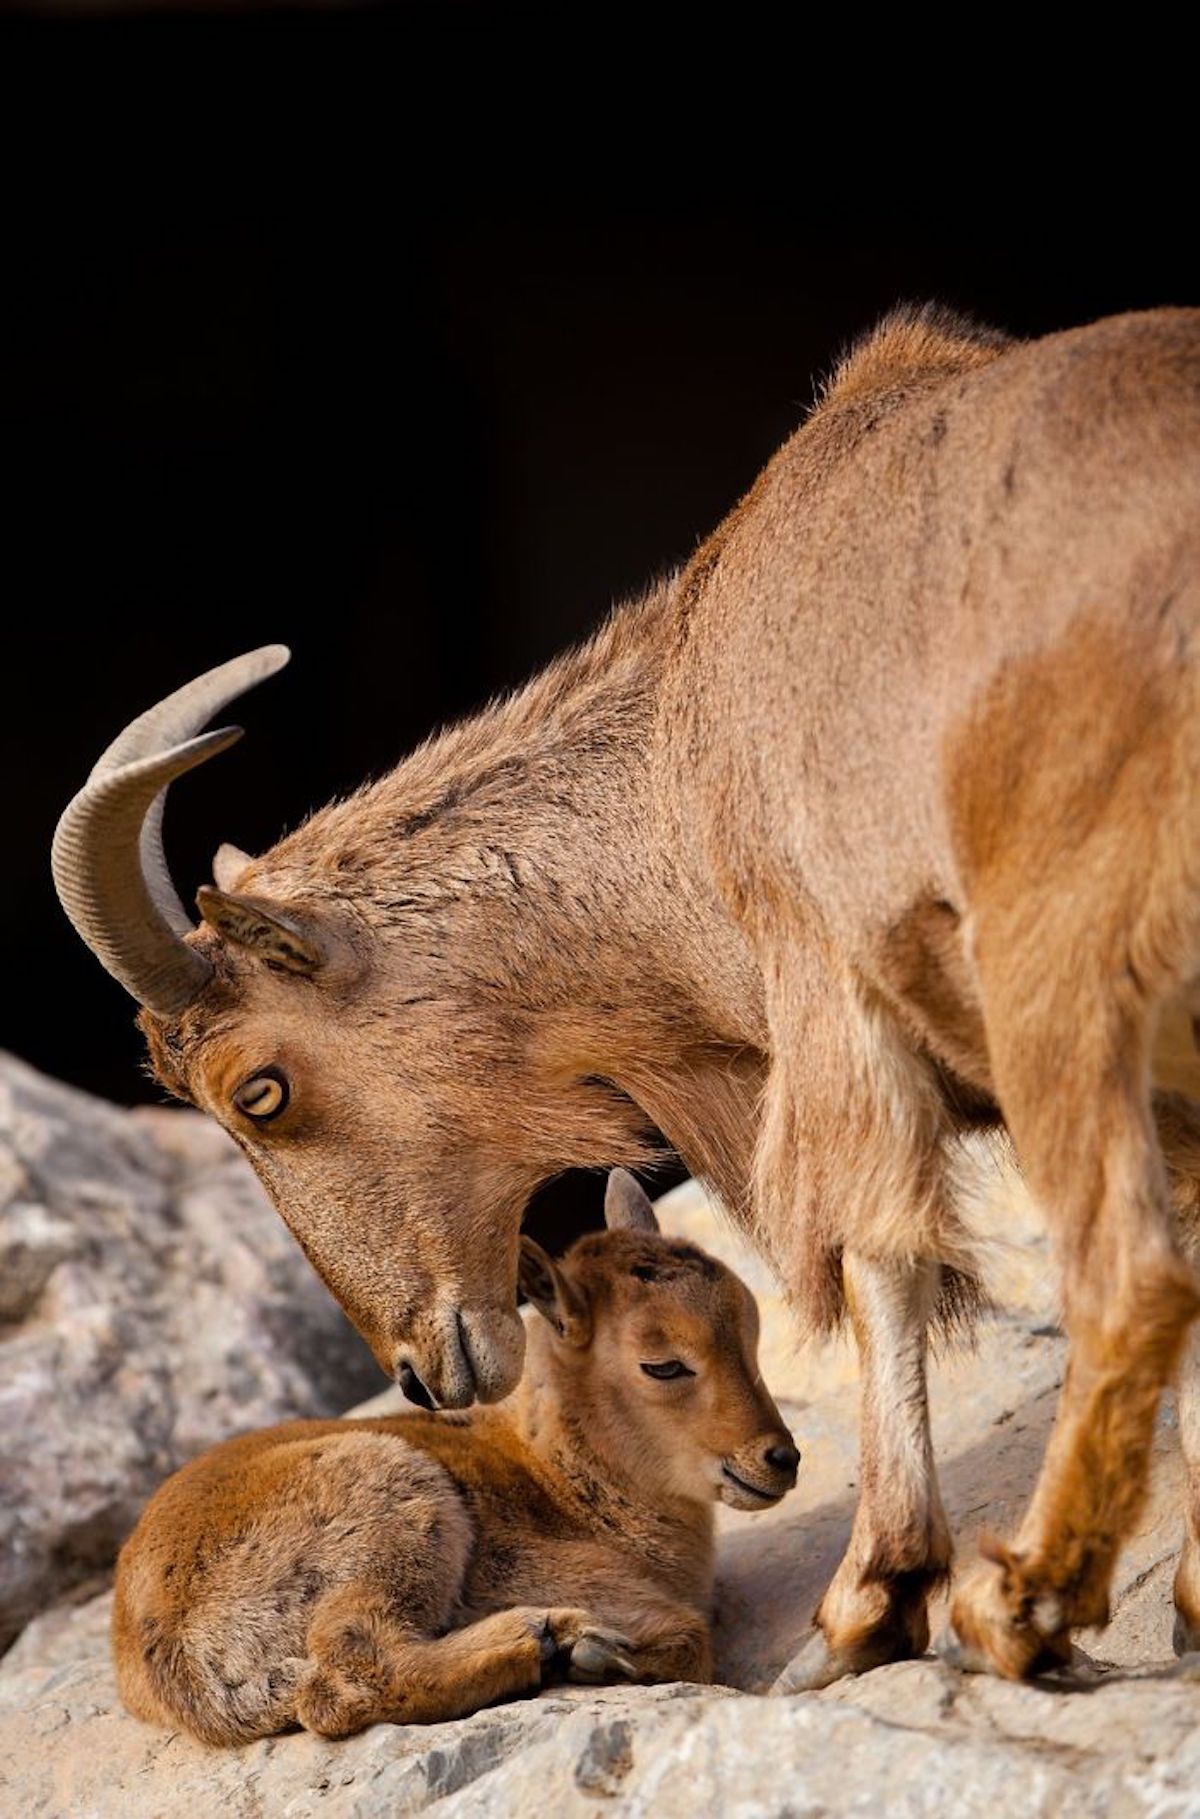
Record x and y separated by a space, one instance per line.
370 1667
1187 1578
1178 1121
1070 1052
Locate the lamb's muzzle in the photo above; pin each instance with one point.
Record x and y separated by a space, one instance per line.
759 1474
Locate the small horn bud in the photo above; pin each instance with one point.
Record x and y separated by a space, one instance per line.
627 1205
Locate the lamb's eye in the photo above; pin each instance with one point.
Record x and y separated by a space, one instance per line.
263 1096
671 1368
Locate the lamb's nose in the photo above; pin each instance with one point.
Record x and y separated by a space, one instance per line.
413 1388
782 1458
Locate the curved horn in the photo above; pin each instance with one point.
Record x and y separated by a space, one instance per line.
109 867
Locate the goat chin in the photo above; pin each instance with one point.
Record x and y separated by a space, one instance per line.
495 1346
738 1493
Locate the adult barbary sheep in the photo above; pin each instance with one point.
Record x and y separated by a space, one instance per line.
412 1568
877 819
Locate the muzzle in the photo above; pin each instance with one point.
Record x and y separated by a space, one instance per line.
758 1475
461 1355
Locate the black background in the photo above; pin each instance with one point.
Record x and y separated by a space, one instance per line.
403 395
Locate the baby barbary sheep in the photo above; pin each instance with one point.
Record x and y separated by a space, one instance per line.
416 1567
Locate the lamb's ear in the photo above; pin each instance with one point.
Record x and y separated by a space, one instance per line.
627 1205
274 934
229 862
554 1295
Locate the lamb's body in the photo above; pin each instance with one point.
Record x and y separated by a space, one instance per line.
415 1567
878 819
356 1537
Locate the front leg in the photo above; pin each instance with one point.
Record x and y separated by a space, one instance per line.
851 1164
875 1609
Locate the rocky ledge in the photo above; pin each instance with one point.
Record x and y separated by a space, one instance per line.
151 1303
1120 1738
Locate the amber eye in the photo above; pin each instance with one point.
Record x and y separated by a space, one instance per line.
263 1096
672 1368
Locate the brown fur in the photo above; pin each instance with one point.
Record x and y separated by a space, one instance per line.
878 819
413 1568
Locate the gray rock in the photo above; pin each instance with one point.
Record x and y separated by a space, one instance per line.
32 1245
907 1740
151 1303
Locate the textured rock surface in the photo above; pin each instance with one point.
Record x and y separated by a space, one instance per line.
913 1739
151 1302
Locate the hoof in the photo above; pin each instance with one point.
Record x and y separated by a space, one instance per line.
815 1666
1000 1625
599 1656
818 1664
1186 1636
950 1649
332 1706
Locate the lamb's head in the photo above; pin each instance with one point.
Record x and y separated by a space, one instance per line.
398 1107
653 1354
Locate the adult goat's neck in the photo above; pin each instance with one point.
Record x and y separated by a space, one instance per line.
522 860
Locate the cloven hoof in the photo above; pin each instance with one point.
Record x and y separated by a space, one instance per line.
814 1666
1186 1637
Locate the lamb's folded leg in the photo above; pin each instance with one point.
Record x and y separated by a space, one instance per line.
368 1668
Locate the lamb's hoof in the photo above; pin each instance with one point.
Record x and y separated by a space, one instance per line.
600 1655
330 1705
548 1645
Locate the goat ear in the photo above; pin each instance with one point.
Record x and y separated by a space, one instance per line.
229 862
627 1205
275 935
554 1295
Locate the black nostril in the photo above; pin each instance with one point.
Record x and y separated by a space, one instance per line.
413 1388
782 1458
